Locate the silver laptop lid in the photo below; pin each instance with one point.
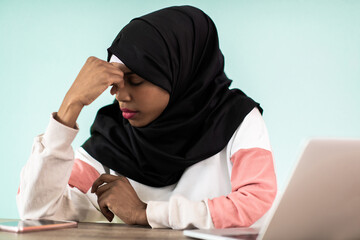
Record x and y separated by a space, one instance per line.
322 198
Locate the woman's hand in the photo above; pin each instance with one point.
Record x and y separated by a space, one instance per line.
93 79
118 197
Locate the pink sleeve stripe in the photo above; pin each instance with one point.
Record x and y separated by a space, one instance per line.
82 176
254 187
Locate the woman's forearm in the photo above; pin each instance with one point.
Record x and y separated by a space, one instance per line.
69 112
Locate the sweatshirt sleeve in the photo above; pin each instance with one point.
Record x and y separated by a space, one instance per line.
54 184
253 180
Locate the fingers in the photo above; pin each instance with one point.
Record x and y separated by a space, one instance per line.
119 182
119 198
115 78
104 178
113 71
103 188
123 70
105 210
113 89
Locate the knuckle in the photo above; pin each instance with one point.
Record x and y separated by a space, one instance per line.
119 74
111 78
102 69
102 176
106 74
118 182
91 59
124 179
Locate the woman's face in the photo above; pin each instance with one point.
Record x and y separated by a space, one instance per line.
140 101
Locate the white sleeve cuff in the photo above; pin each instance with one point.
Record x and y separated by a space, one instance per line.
179 213
157 213
58 136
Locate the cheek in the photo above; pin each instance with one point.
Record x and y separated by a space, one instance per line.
153 100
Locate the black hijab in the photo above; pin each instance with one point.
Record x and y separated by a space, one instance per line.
177 49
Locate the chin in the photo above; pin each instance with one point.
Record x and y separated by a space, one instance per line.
135 124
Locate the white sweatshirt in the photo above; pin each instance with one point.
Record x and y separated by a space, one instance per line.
233 188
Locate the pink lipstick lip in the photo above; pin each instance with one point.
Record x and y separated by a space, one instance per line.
127 110
127 113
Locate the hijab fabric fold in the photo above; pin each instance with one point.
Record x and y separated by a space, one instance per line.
177 49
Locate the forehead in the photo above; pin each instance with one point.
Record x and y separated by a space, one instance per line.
115 59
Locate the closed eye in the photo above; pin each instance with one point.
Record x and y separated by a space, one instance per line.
134 80
135 83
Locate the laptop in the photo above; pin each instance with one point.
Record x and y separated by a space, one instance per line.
321 199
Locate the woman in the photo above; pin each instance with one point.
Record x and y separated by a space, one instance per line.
176 149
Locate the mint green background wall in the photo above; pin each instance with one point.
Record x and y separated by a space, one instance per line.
299 59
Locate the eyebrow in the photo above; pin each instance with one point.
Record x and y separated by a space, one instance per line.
128 73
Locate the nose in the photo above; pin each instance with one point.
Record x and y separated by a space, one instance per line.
122 93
